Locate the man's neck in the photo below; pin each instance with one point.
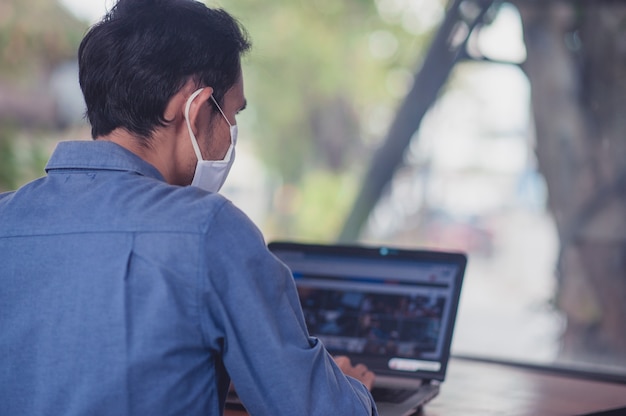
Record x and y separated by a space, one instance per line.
153 150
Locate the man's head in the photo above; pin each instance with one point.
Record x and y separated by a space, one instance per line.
143 52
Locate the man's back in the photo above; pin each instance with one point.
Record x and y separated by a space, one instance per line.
100 292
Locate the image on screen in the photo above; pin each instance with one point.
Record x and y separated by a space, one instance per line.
351 321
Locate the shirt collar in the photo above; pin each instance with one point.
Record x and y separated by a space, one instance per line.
99 155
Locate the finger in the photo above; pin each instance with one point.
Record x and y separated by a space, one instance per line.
368 379
360 369
343 362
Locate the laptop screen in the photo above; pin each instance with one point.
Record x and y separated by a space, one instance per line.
393 310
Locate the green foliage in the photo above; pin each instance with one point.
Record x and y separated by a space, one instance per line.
35 34
307 57
315 209
325 203
21 158
313 83
8 162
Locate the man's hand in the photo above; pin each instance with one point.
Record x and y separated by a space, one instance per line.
359 371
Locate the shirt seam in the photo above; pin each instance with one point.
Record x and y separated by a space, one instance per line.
204 282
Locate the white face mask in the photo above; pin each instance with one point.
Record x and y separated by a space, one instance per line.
210 175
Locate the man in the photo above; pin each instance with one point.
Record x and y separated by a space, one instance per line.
124 290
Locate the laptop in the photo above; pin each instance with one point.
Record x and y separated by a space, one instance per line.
391 309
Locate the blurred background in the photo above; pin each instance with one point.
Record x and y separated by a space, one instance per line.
490 127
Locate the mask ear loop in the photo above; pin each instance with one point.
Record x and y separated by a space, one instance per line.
192 137
233 131
220 108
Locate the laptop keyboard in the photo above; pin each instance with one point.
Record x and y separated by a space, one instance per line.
382 394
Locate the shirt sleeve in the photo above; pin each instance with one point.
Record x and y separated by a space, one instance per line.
252 306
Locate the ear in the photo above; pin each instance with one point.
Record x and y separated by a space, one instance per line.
198 109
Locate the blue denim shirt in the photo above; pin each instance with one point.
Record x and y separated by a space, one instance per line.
123 295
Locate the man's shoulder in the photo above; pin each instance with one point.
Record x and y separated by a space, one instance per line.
4 196
190 208
182 208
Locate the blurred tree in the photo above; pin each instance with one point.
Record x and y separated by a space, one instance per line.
35 37
319 73
316 81
577 69
36 34
9 169
448 47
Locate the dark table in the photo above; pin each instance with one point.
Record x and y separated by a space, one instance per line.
488 388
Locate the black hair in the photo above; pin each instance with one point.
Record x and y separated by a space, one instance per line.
143 52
